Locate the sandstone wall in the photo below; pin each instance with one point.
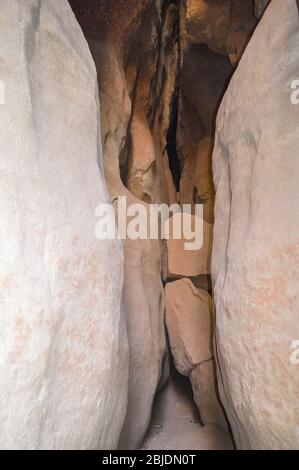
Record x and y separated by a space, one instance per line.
256 246
64 358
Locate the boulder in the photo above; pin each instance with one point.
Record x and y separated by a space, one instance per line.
189 324
255 262
182 262
64 355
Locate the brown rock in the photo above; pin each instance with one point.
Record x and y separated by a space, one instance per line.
260 6
224 26
208 22
189 324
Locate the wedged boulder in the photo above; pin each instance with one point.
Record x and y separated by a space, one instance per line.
204 385
189 324
255 263
180 261
64 357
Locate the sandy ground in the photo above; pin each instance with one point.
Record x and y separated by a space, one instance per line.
176 424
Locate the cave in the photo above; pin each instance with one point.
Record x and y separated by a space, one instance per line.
143 343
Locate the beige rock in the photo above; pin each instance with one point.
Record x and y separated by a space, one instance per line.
189 324
224 26
181 262
64 355
204 385
117 48
255 263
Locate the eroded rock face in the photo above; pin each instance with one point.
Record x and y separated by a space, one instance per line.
255 264
223 25
189 321
127 58
260 6
64 357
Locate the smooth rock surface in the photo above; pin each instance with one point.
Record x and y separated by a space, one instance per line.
189 324
204 385
64 358
255 264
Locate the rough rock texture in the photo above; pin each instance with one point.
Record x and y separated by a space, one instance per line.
145 307
204 385
213 36
189 324
256 245
203 80
180 262
130 85
63 368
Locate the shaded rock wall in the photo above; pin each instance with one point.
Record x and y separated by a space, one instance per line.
64 354
256 246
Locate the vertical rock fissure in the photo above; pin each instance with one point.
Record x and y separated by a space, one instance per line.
172 149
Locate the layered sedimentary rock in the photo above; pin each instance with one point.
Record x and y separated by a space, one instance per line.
64 358
256 246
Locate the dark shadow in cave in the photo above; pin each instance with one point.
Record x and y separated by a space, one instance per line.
172 151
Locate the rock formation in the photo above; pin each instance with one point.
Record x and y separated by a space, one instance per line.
129 63
256 246
64 357
84 358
